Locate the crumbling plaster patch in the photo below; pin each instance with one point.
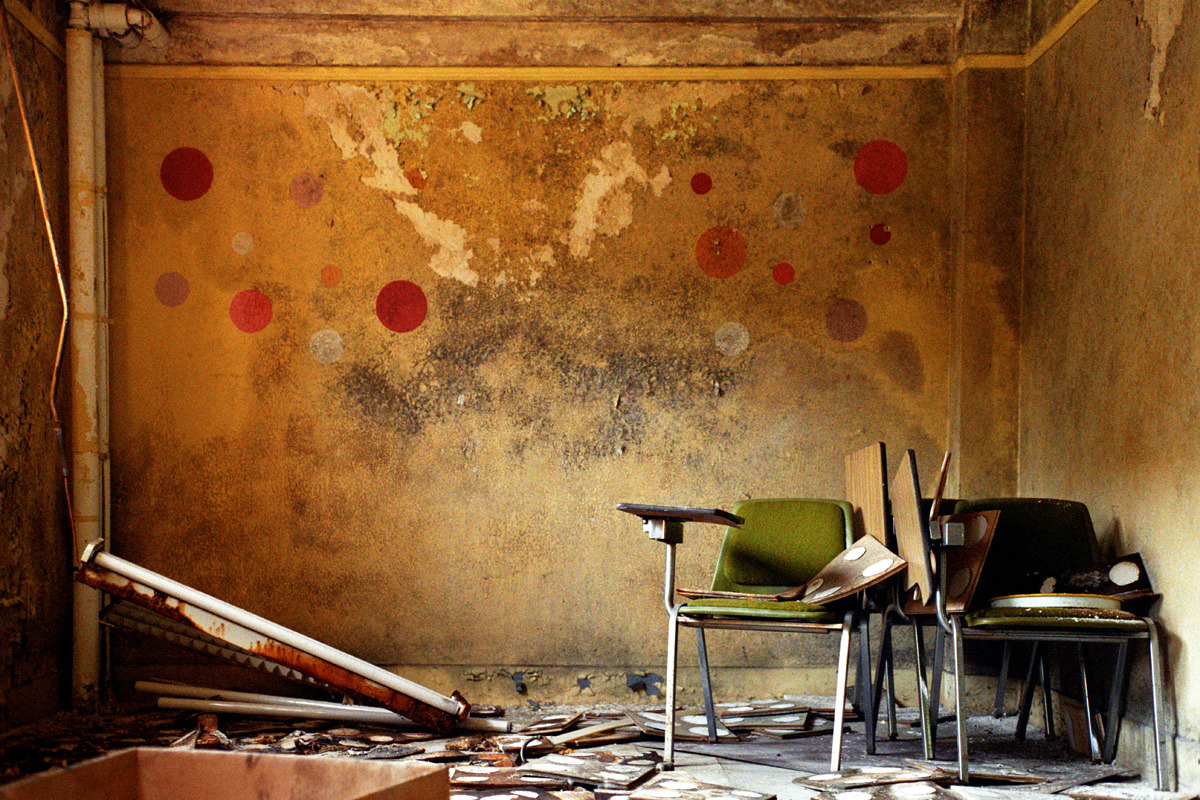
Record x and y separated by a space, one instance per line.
605 205
357 120
1163 18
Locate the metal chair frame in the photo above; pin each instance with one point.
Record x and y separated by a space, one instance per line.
952 627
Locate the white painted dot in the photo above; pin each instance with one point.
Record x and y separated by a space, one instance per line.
243 243
477 768
879 770
470 778
686 785
326 346
825 776
821 595
732 720
524 793
1124 573
814 584
913 789
878 568
746 793
701 730
852 796
855 553
732 339
557 759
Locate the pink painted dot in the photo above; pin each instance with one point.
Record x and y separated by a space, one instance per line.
846 320
880 166
881 233
306 190
171 289
186 173
784 273
331 275
721 251
702 183
401 306
250 310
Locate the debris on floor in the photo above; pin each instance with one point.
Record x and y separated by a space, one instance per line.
599 753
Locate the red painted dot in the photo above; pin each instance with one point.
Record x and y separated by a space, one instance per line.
880 166
250 310
401 306
881 233
306 189
331 275
171 289
417 177
701 183
186 173
784 273
721 252
846 320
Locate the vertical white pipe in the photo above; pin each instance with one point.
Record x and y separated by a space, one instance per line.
100 146
85 460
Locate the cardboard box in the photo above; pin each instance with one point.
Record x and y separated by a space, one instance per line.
146 773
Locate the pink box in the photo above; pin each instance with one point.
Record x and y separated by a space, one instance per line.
146 773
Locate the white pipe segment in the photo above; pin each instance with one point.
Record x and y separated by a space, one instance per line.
275 631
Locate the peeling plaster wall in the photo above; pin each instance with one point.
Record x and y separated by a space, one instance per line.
35 586
1109 351
482 315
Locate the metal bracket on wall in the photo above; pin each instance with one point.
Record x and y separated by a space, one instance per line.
244 634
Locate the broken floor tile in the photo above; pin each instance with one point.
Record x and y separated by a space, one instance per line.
598 768
766 707
486 776
1124 791
526 793
923 790
858 777
681 786
556 723
998 793
690 726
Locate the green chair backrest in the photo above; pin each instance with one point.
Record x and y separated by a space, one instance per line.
782 544
1035 538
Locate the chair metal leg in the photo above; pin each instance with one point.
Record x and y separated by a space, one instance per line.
927 730
672 658
891 698
1116 696
1047 702
1023 710
839 707
1001 684
960 713
710 711
1093 740
862 685
1156 711
935 680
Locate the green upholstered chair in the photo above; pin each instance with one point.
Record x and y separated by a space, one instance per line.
1035 539
780 545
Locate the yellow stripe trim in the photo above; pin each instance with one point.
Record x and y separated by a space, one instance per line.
531 74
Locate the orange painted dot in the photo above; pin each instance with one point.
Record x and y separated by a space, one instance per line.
331 275
721 252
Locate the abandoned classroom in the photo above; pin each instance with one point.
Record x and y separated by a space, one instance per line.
393 303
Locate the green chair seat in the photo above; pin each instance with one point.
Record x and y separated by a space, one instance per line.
1058 618
793 610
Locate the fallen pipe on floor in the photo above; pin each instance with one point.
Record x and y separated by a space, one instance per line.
260 637
200 698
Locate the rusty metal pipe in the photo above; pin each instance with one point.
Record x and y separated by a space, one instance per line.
271 630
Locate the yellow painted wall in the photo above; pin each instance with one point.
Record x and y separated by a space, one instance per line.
445 496
1109 352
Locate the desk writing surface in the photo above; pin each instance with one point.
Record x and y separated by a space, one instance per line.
716 516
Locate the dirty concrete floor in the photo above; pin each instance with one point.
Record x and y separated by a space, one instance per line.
758 763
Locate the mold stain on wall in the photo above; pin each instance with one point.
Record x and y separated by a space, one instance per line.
497 310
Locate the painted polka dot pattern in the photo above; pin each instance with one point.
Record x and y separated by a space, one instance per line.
251 310
880 166
401 306
721 252
171 289
186 173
